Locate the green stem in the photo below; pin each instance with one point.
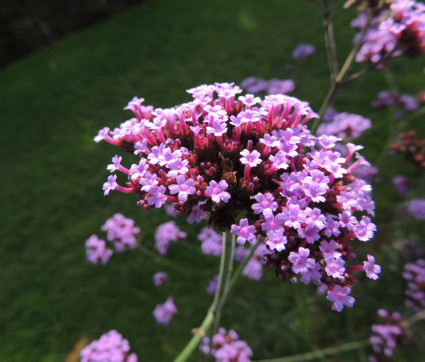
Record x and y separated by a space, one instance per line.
338 80
226 265
228 256
160 260
322 352
330 46
242 266
393 124
415 318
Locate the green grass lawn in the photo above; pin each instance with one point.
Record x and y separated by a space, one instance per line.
51 106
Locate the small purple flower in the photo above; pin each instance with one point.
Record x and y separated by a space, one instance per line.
116 163
121 232
163 313
165 234
212 286
311 273
226 347
387 335
303 51
265 204
294 216
250 158
253 269
281 86
244 231
335 268
300 260
329 250
372 270
110 347
197 215
160 278
218 191
340 297
211 242
402 184
184 187
276 240
111 184
96 250
158 197
416 208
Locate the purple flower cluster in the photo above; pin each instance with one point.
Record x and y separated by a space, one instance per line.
222 156
386 336
110 347
344 125
165 234
303 51
163 313
401 184
386 99
120 231
397 31
273 86
254 268
211 242
212 285
226 347
367 173
96 250
416 208
414 273
160 278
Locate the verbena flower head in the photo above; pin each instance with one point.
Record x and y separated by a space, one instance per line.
344 125
414 273
160 278
121 232
96 250
163 313
272 86
110 347
212 285
395 31
402 184
211 242
294 189
165 234
303 51
226 347
416 208
386 99
387 335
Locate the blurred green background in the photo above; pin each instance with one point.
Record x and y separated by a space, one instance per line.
51 106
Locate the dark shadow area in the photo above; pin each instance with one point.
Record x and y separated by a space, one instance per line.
29 25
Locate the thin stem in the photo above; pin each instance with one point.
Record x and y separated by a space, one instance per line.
160 260
226 265
330 46
228 256
393 126
198 334
415 318
322 352
338 81
413 115
242 266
